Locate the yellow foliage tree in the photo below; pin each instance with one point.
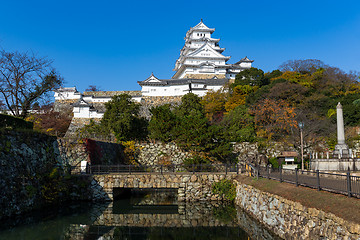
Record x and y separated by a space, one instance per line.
238 96
295 77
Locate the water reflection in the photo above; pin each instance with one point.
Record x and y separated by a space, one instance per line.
142 217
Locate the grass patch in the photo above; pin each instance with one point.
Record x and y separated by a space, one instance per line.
340 205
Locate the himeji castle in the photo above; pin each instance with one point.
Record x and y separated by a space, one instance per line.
200 67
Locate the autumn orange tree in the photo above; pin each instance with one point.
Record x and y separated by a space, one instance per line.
51 122
274 119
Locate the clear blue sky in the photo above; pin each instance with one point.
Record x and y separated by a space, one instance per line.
114 44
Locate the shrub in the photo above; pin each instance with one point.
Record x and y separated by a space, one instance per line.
274 162
225 188
12 122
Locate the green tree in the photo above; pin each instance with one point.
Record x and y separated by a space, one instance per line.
191 123
190 103
273 74
193 131
252 76
122 118
238 125
162 123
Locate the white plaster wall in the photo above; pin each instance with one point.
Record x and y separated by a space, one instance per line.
214 88
87 98
177 90
66 95
197 85
245 64
94 114
201 71
81 112
85 112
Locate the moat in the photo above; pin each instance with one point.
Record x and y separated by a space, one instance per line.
137 215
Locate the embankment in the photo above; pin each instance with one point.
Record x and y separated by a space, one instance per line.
292 220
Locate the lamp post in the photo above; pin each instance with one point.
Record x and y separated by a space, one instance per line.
301 126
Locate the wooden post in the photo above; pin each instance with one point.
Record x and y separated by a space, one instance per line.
280 171
296 177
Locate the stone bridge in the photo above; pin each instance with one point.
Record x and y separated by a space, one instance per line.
190 186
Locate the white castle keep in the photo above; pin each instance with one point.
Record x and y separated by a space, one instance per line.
201 67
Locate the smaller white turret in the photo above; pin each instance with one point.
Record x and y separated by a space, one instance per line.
66 93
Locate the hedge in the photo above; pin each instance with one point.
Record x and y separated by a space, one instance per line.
7 121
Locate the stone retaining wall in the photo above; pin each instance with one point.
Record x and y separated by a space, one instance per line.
257 154
160 154
291 220
31 167
73 151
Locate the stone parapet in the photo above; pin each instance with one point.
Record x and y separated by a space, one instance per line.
191 187
111 93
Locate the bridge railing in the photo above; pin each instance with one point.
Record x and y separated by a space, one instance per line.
173 168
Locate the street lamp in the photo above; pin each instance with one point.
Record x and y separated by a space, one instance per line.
301 126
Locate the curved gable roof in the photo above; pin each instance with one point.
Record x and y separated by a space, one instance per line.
207 48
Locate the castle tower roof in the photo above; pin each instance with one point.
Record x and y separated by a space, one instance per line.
200 48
